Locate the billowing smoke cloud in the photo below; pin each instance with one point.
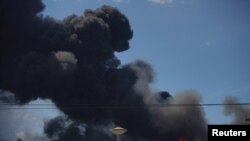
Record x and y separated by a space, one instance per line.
72 62
63 129
172 117
240 113
177 119
28 136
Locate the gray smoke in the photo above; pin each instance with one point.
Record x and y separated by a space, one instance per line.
67 60
172 117
28 136
64 129
239 113
177 119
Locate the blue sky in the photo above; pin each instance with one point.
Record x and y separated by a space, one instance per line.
191 44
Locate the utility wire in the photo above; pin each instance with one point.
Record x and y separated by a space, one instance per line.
162 104
7 106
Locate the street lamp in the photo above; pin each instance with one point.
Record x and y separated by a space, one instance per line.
118 131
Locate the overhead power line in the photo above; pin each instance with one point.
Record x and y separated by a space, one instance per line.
6 106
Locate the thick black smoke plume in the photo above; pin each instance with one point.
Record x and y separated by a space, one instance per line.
72 62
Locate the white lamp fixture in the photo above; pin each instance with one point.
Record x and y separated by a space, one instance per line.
118 131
